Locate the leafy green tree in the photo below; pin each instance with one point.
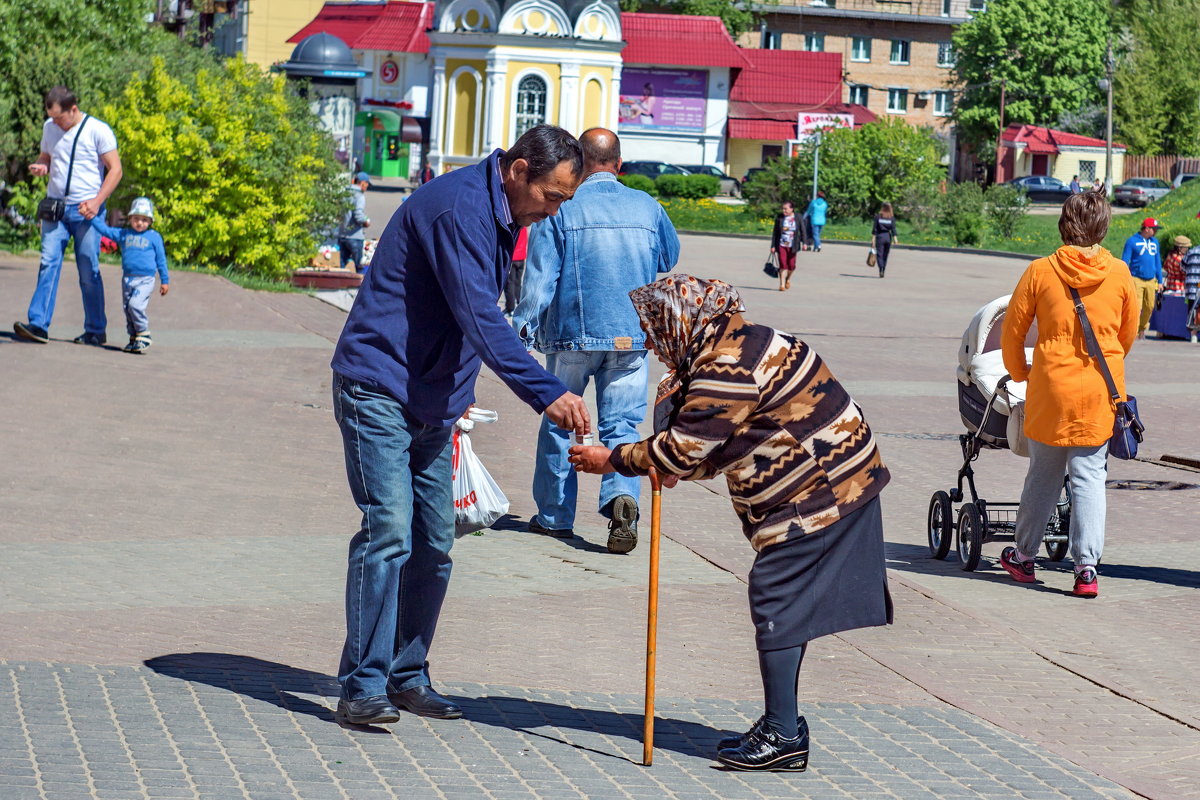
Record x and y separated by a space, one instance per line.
1005 205
240 171
963 213
1156 96
737 17
1047 54
859 169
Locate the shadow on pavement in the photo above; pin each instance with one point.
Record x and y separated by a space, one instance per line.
916 558
279 684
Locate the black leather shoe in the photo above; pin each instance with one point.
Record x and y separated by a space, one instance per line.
375 710
31 333
558 533
736 741
622 529
94 339
425 702
765 750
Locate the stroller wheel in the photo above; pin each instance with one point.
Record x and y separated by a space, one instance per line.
1056 551
970 536
940 525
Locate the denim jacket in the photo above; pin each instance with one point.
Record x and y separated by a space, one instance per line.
582 264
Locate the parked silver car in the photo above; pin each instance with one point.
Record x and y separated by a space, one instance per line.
729 186
1140 191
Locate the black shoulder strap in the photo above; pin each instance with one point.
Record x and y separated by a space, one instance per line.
1093 347
71 165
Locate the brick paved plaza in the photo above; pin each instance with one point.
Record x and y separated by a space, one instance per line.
173 535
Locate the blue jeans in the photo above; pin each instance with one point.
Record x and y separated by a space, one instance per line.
55 236
399 561
621 377
816 235
351 250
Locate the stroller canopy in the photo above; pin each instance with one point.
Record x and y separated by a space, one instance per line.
980 362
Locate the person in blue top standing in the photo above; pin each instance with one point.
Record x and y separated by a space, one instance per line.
143 256
352 232
575 308
1075 187
816 218
1145 265
425 319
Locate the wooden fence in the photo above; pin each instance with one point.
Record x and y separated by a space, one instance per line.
1165 167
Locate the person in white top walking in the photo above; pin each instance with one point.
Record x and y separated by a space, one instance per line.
79 153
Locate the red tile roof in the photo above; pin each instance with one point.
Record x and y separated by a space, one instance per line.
791 77
780 84
679 40
396 26
1047 140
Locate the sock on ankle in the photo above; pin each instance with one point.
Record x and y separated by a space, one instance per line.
1021 557
1081 567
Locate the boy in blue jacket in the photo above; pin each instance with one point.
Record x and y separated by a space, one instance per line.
142 255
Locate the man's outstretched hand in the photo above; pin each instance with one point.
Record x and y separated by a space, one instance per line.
570 413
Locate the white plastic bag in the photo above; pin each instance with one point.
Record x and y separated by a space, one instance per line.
1018 443
478 501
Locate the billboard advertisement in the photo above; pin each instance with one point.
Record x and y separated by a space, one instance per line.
808 123
663 99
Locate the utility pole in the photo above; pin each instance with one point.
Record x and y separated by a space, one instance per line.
1000 134
816 161
1109 65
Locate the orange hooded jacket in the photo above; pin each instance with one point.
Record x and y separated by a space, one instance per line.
1067 402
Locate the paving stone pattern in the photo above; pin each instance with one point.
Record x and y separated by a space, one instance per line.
219 727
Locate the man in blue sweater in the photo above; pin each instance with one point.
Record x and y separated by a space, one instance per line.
1145 265
404 370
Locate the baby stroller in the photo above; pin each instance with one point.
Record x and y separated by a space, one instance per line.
986 397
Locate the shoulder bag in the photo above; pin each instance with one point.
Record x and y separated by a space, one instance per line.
52 209
1128 427
772 265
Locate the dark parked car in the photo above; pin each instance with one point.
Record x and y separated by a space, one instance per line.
750 173
729 186
1140 191
651 169
1042 188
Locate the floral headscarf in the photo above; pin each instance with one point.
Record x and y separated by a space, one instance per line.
678 312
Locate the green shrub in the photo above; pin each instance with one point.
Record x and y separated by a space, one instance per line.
1005 205
918 205
962 213
235 162
690 187
642 182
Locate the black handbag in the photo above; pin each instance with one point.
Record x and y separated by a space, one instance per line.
1127 427
52 209
772 265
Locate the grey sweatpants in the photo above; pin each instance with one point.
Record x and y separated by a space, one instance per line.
1087 468
135 296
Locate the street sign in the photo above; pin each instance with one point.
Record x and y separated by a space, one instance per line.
388 72
809 123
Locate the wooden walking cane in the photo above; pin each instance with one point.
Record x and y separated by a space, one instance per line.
652 617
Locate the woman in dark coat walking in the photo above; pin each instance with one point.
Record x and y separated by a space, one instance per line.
760 407
785 241
884 233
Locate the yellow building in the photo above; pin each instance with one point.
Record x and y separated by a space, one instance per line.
268 24
502 68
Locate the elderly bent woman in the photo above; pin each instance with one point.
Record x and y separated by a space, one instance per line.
1068 412
759 406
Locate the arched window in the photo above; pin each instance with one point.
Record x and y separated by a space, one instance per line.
531 104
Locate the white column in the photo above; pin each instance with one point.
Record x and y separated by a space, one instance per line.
614 99
568 98
437 110
493 131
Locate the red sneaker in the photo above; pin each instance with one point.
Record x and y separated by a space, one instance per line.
1021 571
1086 583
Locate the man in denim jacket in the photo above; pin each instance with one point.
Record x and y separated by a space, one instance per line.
575 308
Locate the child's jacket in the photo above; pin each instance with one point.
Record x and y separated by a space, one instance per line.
142 254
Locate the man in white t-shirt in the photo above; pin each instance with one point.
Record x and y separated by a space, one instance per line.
84 185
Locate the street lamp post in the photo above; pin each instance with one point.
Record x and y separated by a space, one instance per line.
1107 84
816 162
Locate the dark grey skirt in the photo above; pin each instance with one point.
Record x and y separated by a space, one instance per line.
820 583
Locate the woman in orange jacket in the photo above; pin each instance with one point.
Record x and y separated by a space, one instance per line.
1068 412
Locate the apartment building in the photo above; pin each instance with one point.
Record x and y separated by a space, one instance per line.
896 54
